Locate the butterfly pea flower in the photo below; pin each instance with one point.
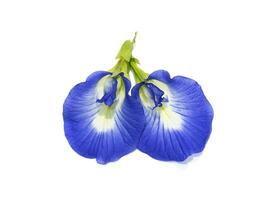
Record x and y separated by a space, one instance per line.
101 120
178 116
166 118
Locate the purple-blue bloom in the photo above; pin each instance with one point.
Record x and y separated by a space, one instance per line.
178 116
167 118
100 119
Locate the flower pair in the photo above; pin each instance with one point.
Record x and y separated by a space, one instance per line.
166 118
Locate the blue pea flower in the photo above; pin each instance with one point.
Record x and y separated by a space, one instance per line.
167 118
101 120
178 116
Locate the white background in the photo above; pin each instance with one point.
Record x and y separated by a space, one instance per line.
46 47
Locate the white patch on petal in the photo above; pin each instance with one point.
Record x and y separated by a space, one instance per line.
146 98
170 119
104 120
100 87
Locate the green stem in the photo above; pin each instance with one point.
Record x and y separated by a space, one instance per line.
127 62
133 41
121 66
139 74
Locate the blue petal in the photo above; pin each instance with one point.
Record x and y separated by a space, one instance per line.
189 126
95 76
160 75
127 83
135 91
80 111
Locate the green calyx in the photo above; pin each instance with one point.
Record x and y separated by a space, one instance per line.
138 73
127 63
